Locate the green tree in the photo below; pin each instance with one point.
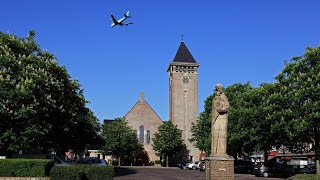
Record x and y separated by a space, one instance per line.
121 140
201 131
254 117
167 141
238 136
248 127
239 119
41 107
300 87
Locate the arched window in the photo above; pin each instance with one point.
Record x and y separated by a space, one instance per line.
141 136
148 136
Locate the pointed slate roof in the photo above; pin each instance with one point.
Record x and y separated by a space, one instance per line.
184 55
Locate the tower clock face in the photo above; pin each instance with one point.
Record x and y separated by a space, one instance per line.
185 80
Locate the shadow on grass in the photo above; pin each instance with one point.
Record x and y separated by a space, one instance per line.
122 171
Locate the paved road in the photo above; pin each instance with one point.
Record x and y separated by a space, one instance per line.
160 173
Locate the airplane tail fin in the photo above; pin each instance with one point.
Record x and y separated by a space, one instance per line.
127 15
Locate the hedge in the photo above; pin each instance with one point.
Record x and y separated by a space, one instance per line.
99 172
25 167
305 177
82 172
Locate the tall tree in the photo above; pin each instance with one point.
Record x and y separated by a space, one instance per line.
121 140
239 130
168 141
255 113
300 86
41 107
201 131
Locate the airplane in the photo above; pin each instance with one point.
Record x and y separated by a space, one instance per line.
120 21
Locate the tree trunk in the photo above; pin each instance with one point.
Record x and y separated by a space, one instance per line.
119 164
318 168
265 155
316 148
167 161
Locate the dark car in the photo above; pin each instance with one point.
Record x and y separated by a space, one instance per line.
183 164
311 169
59 161
274 169
92 161
243 167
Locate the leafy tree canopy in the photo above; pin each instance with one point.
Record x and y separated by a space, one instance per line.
168 140
121 140
41 107
300 103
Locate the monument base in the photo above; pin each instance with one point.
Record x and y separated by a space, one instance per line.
220 168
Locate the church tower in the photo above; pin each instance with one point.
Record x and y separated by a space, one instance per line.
183 86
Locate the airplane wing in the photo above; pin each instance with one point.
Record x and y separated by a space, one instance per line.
114 19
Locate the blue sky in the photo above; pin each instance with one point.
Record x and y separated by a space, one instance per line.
234 42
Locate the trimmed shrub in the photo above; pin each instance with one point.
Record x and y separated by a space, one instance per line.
25 167
74 172
82 172
305 177
100 172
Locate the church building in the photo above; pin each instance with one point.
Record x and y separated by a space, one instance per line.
145 121
183 100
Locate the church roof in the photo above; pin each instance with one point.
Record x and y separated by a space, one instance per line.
142 103
184 55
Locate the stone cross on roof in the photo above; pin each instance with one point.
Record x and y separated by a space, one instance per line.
142 96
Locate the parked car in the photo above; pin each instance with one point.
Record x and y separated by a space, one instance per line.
274 169
202 166
243 167
311 169
183 164
193 165
59 161
92 161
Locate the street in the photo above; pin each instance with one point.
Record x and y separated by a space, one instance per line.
161 173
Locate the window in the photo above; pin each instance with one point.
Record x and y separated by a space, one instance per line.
141 136
148 136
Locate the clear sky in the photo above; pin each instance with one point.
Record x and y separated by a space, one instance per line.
234 42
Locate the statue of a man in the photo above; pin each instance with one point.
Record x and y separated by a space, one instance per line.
220 107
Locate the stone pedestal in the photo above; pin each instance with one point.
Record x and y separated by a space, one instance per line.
220 168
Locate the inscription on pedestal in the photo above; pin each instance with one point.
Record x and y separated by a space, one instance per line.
217 169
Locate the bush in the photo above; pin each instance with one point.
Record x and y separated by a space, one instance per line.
76 172
25 167
99 172
82 172
305 177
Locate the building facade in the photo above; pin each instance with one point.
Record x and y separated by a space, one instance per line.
183 95
145 121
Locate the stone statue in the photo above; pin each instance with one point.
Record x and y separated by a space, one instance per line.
220 107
